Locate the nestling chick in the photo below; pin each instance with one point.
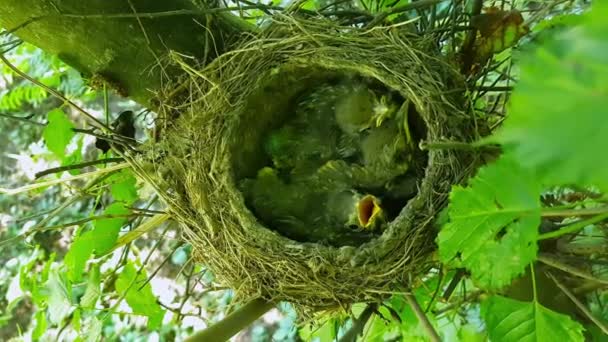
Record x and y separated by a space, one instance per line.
351 209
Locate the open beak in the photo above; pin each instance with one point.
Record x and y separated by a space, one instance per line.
368 210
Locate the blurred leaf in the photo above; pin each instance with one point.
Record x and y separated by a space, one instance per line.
468 333
325 332
493 224
142 301
149 224
74 158
76 317
498 30
124 187
558 109
559 21
93 290
100 239
309 5
40 329
58 300
77 256
511 320
92 330
19 95
378 326
105 231
58 132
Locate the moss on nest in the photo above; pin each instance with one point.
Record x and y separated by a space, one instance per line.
216 141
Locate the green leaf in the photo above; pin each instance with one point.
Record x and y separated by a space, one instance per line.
41 324
58 299
124 187
141 300
93 290
325 332
493 224
76 317
512 320
557 118
105 231
58 132
77 256
100 240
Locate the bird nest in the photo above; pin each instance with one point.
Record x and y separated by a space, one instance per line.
216 141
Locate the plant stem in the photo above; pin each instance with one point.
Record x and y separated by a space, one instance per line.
77 166
35 186
359 324
574 227
551 212
92 120
553 262
233 323
426 324
446 145
579 305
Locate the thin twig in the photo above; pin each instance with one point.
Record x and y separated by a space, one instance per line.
411 6
574 212
547 259
26 119
77 166
469 43
573 228
31 232
424 320
154 248
453 283
578 304
494 88
457 304
35 186
55 93
144 15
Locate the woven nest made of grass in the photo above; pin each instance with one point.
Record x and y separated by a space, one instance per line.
216 142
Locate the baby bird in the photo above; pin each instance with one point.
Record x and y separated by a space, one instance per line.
352 209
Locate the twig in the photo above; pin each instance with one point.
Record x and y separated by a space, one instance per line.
469 43
470 298
494 88
60 226
411 6
148 211
234 322
357 328
573 227
426 324
446 145
77 166
35 186
578 304
55 93
145 15
547 259
26 119
453 283
574 212
155 272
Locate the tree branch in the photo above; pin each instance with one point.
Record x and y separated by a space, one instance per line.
102 39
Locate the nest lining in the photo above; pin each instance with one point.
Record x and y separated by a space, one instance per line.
216 141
